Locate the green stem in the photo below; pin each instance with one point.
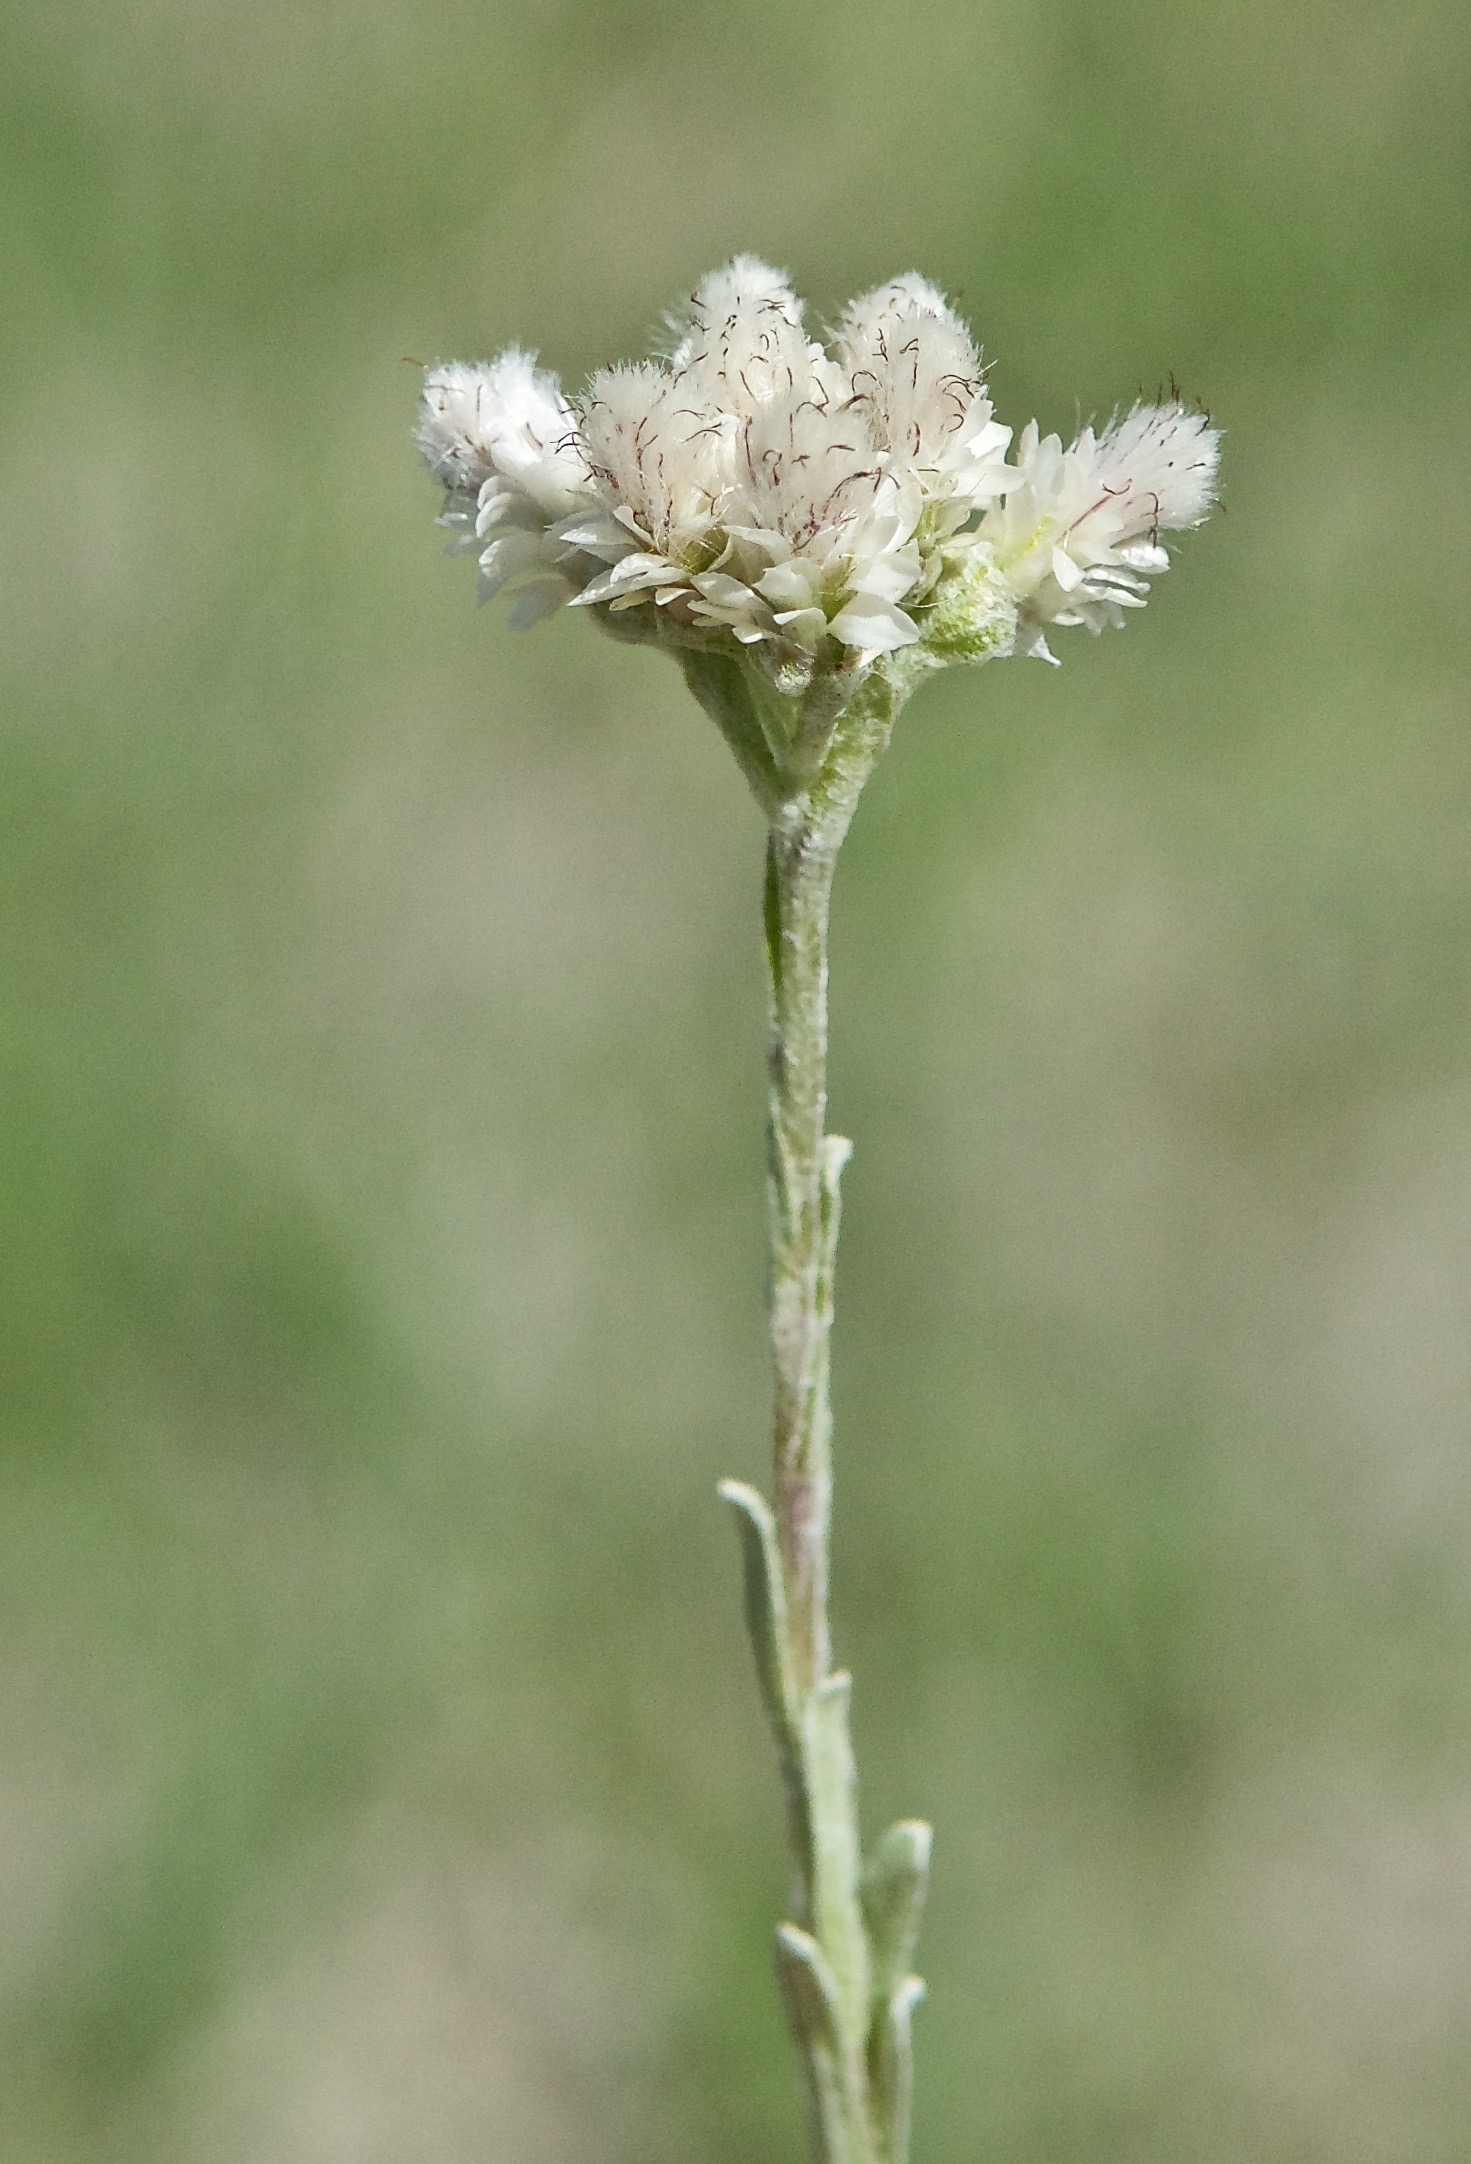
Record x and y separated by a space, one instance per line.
804 1164
843 1965
803 1208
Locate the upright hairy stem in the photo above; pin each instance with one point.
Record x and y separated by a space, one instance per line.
803 1166
844 1962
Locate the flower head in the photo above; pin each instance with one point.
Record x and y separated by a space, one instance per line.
809 508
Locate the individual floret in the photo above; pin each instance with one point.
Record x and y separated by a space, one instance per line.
1075 540
503 440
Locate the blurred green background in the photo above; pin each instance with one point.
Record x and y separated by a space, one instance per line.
381 1777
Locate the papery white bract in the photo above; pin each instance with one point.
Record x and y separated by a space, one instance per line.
812 509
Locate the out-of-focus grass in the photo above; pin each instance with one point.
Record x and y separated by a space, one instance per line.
380 1777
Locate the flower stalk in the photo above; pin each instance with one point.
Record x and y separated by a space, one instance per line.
843 1963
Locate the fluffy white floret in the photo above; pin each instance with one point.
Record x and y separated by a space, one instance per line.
658 460
1076 537
507 418
741 292
804 467
914 368
860 329
742 342
504 441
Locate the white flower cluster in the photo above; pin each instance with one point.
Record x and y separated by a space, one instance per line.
817 507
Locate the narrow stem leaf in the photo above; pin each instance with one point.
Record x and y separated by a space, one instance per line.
894 1888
